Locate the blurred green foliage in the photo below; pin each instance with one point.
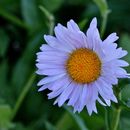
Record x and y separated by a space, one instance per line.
22 26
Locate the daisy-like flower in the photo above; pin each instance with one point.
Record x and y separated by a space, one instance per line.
80 68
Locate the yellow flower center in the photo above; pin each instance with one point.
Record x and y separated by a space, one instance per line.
83 66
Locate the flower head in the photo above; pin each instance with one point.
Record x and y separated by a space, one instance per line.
80 68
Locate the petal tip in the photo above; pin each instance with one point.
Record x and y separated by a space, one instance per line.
40 89
93 22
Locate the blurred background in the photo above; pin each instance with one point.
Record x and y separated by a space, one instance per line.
22 26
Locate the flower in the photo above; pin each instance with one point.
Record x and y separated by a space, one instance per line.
80 68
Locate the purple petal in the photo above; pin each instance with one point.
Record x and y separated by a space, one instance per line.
66 93
49 79
75 95
72 26
111 38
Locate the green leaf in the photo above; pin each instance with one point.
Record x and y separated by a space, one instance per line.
4 41
125 83
103 7
125 124
25 65
49 126
126 92
30 13
6 89
128 103
125 104
125 44
5 116
52 5
12 18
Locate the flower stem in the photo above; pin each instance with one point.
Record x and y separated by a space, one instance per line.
104 10
50 18
116 111
103 26
22 95
116 119
107 119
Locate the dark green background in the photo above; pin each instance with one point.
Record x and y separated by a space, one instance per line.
22 26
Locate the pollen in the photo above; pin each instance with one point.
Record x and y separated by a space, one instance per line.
83 66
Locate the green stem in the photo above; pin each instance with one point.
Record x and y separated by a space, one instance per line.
116 119
103 26
50 18
51 26
23 94
103 7
116 111
107 119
